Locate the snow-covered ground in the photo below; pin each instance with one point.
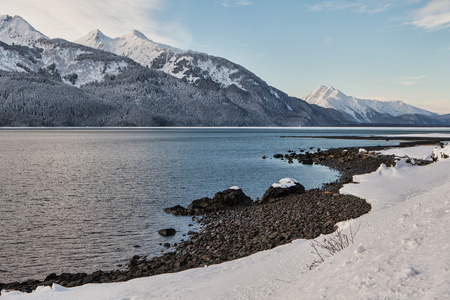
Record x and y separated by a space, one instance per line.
401 251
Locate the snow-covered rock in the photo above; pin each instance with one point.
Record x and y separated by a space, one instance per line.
285 183
282 188
441 152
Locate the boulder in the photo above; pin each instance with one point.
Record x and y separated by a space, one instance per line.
308 161
231 197
177 210
281 189
226 199
167 232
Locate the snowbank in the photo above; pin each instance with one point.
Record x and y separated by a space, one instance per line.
400 252
419 152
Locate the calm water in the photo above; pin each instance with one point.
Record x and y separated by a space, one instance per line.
79 200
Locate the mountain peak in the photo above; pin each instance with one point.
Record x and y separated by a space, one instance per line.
360 110
138 34
94 39
95 34
15 30
320 94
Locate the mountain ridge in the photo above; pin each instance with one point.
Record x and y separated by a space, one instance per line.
53 82
16 30
36 78
194 67
361 110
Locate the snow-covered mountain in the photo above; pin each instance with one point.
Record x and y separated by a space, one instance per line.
15 30
24 49
194 67
362 110
53 82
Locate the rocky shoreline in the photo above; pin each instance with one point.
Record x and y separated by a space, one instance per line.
246 229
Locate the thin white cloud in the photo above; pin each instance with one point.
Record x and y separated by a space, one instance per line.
412 80
377 8
361 6
72 19
231 3
331 5
434 15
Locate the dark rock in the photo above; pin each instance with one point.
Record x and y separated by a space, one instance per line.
307 161
177 210
281 189
51 277
167 232
278 156
226 199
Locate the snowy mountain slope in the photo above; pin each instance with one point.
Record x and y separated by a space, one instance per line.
74 65
15 30
194 67
24 49
361 110
127 45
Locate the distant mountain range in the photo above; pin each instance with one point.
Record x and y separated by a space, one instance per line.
365 110
132 81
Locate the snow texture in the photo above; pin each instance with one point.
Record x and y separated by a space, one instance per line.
15 30
234 187
285 183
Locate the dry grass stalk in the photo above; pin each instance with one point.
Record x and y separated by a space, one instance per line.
331 244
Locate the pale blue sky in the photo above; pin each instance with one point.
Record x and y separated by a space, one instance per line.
385 49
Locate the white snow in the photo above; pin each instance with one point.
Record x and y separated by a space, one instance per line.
220 74
401 251
362 150
420 152
285 183
234 187
274 93
441 153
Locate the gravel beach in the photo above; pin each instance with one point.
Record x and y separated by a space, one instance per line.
243 230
